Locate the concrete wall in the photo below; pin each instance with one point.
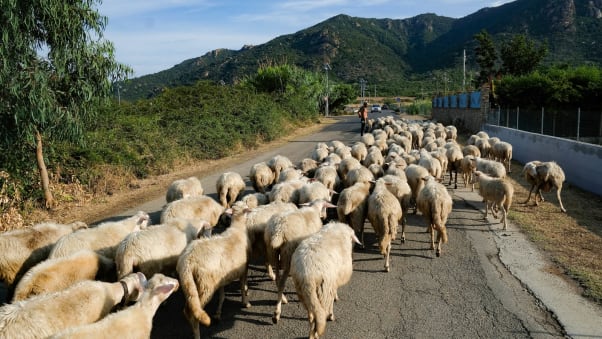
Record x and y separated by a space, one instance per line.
581 162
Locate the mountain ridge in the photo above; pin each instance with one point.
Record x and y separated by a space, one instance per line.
386 50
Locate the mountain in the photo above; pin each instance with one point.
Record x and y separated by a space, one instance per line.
383 50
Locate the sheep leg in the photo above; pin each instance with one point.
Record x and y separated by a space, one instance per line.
280 298
486 208
244 289
194 324
529 197
403 229
439 239
387 254
455 180
220 303
562 209
504 212
431 230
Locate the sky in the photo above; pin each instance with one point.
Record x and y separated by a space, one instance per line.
154 35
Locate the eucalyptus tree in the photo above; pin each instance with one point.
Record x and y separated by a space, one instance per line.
486 56
55 67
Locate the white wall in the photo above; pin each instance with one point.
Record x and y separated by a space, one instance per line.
581 162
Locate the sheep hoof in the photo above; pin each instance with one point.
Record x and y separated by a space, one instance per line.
403 239
275 318
284 300
563 210
247 305
331 317
387 269
438 253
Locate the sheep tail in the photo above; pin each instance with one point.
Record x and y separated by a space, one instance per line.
193 303
393 224
317 303
443 232
438 222
277 240
507 202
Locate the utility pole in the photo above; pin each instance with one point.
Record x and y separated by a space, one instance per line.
327 68
464 73
362 88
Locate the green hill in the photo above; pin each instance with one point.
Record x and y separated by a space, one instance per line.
384 51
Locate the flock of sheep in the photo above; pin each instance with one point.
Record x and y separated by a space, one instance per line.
74 281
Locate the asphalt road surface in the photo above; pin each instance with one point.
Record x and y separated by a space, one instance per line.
465 293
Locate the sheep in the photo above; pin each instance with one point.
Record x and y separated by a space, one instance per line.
328 176
544 176
135 321
319 266
320 152
361 174
468 166
203 207
184 188
471 150
400 188
83 303
376 170
261 176
289 174
347 165
367 139
435 204
432 164
229 186
490 167
495 192
384 213
502 152
308 167
156 249
414 174
257 220
482 134
253 200
484 147
352 206
451 132
278 163
374 156
59 273
359 151
208 264
286 191
102 238
313 191
454 158
22 249
283 233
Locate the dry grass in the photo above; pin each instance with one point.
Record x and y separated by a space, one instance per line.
573 240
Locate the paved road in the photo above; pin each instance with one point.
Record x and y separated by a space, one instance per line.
466 293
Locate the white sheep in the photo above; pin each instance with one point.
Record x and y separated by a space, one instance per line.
253 200
286 191
102 238
83 303
400 188
435 204
320 152
471 150
347 165
282 235
308 167
502 152
414 175
262 177
544 176
328 176
134 322
289 174
384 213
57 274
229 186
184 188
468 166
314 191
367 139
454 164
209 264
21 249
277 163
156 249
490 167
359 151
361 174
202 207
432 164
257 220
484 147
319 266
352 206
374 156
496 192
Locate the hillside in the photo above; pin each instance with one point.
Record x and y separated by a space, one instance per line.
380 50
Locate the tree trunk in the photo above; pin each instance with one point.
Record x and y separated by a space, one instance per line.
43 172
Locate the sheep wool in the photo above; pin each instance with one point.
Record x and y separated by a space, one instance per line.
184 188
319 266
229 186
384 213
21 249
495 192
435 204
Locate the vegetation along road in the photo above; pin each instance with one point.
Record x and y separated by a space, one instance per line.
468 292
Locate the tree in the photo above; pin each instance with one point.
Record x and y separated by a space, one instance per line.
486 56
55 67
520 55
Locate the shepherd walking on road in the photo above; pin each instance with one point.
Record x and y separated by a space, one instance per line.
363 115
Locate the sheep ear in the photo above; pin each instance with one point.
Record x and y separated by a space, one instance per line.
329 205
166 289
304 204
